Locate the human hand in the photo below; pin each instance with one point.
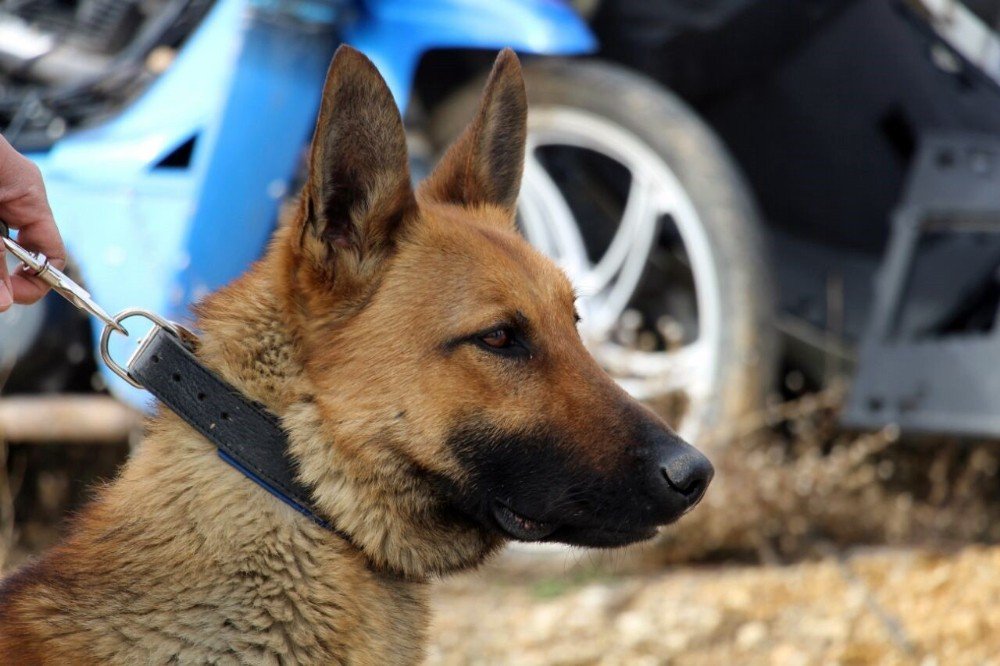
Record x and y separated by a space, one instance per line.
24 206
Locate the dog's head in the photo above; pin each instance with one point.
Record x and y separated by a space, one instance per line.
434 333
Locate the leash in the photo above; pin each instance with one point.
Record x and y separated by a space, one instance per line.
245 434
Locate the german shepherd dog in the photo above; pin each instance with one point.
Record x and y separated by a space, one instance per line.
438 401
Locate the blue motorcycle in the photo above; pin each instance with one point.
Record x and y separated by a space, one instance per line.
171 132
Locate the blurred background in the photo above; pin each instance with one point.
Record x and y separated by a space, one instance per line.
782 217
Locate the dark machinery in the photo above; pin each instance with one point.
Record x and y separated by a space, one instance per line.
869 131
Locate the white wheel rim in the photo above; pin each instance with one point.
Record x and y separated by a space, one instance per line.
607 285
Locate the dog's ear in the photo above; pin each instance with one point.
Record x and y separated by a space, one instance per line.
358 193
485 163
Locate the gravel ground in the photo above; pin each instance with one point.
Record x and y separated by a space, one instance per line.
870 606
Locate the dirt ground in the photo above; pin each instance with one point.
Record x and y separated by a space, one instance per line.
813 546
869 606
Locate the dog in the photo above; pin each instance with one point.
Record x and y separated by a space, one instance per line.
438 401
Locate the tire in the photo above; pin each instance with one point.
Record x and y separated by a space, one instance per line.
719 230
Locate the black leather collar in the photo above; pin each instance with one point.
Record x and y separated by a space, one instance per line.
247 436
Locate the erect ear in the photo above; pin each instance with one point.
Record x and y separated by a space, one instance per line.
358 193
485 163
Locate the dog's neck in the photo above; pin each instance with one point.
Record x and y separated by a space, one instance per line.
361 483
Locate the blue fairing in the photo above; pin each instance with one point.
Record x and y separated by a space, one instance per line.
396 33
245 89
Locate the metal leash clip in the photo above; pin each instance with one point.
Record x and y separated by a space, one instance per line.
38 265
186 336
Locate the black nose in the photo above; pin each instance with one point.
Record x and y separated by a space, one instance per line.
687 471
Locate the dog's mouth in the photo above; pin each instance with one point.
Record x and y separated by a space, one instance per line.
603 537
521 527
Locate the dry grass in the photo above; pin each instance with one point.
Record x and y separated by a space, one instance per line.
7 492
41 485
789 484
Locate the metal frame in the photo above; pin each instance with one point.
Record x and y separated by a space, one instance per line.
940 383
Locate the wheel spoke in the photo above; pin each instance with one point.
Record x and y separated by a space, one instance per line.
548 221
618 249
618 272
656 373
609 284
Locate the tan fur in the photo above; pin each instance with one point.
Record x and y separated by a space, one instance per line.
344 330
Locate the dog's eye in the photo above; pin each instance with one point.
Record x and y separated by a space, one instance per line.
501 338
508 341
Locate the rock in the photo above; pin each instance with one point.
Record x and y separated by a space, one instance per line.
634 627
788 655
750 635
